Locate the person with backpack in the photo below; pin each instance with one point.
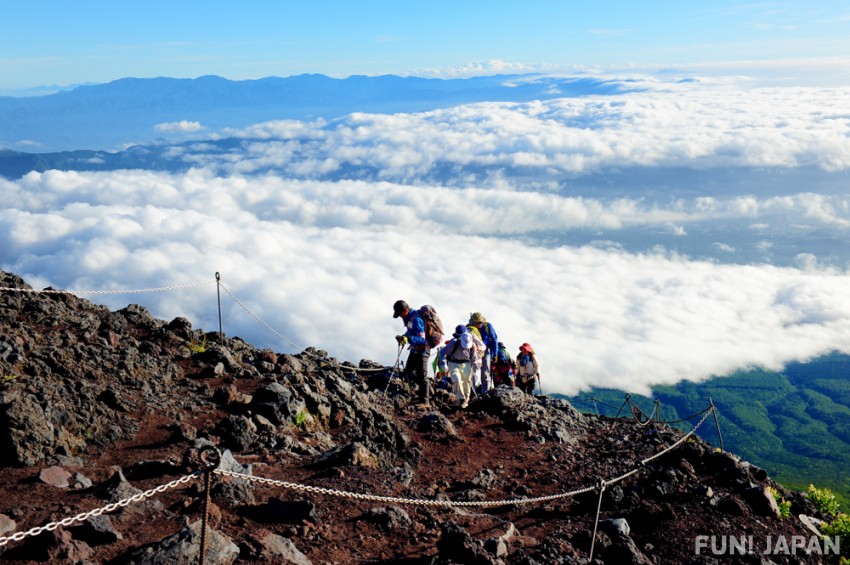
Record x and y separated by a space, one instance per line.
527 368
457 358
417 339
491 342
504 368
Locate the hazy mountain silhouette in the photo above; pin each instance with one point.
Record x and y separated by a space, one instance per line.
125 111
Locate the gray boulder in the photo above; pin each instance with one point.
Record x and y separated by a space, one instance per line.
183 548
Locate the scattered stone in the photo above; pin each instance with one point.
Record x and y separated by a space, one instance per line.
80 481
278 549
63 548
434 422
355 454
457 546
55 476
184 548
7 525
485 479
389 518
98 530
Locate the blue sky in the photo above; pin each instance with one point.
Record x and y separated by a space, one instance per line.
58 42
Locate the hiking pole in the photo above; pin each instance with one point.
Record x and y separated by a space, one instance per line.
395 367
539 386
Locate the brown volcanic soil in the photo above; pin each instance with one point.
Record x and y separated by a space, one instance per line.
666 503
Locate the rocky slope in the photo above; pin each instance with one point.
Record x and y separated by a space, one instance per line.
98 405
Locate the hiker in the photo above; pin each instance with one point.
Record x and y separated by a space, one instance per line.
416 368
441 376
503 369
480 349
458 357
527 368
491 341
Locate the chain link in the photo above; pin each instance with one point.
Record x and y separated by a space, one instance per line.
268 327
452 503
399 500
117 291
682 439
98 511
287 340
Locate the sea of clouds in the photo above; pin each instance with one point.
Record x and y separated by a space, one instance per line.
503 208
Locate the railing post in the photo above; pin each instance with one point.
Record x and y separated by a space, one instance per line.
218 292
627 397
210 458
716 422
601 486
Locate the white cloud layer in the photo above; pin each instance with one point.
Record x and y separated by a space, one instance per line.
699 125
322 263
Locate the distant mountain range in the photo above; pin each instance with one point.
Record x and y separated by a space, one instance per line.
795 423
126 111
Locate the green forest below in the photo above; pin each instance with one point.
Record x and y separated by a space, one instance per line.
795 423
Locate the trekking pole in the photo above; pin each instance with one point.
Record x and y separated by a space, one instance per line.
395 367
539 386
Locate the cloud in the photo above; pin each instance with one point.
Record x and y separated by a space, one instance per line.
483 68
183 126
701 127
322 263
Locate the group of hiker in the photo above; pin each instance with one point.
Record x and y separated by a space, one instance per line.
473 361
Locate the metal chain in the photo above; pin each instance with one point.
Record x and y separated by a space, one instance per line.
400 500
451 503
287 340
345 494
685 419
118 291
268 327
98 511
682 439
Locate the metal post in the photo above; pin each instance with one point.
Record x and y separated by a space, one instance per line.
628 396
596 521
716 422
210 458
218 292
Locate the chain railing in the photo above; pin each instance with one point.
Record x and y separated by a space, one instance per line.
98 511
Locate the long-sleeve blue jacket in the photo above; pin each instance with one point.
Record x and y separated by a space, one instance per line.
490 339
415 331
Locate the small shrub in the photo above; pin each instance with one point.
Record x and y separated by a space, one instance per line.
823 499
300 418
840 527
196 346
8 378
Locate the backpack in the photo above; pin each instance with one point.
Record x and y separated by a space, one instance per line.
503 356
433 326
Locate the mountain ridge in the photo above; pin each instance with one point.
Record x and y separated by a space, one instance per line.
767 416
125 111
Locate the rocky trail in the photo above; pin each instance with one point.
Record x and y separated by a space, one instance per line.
97 406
